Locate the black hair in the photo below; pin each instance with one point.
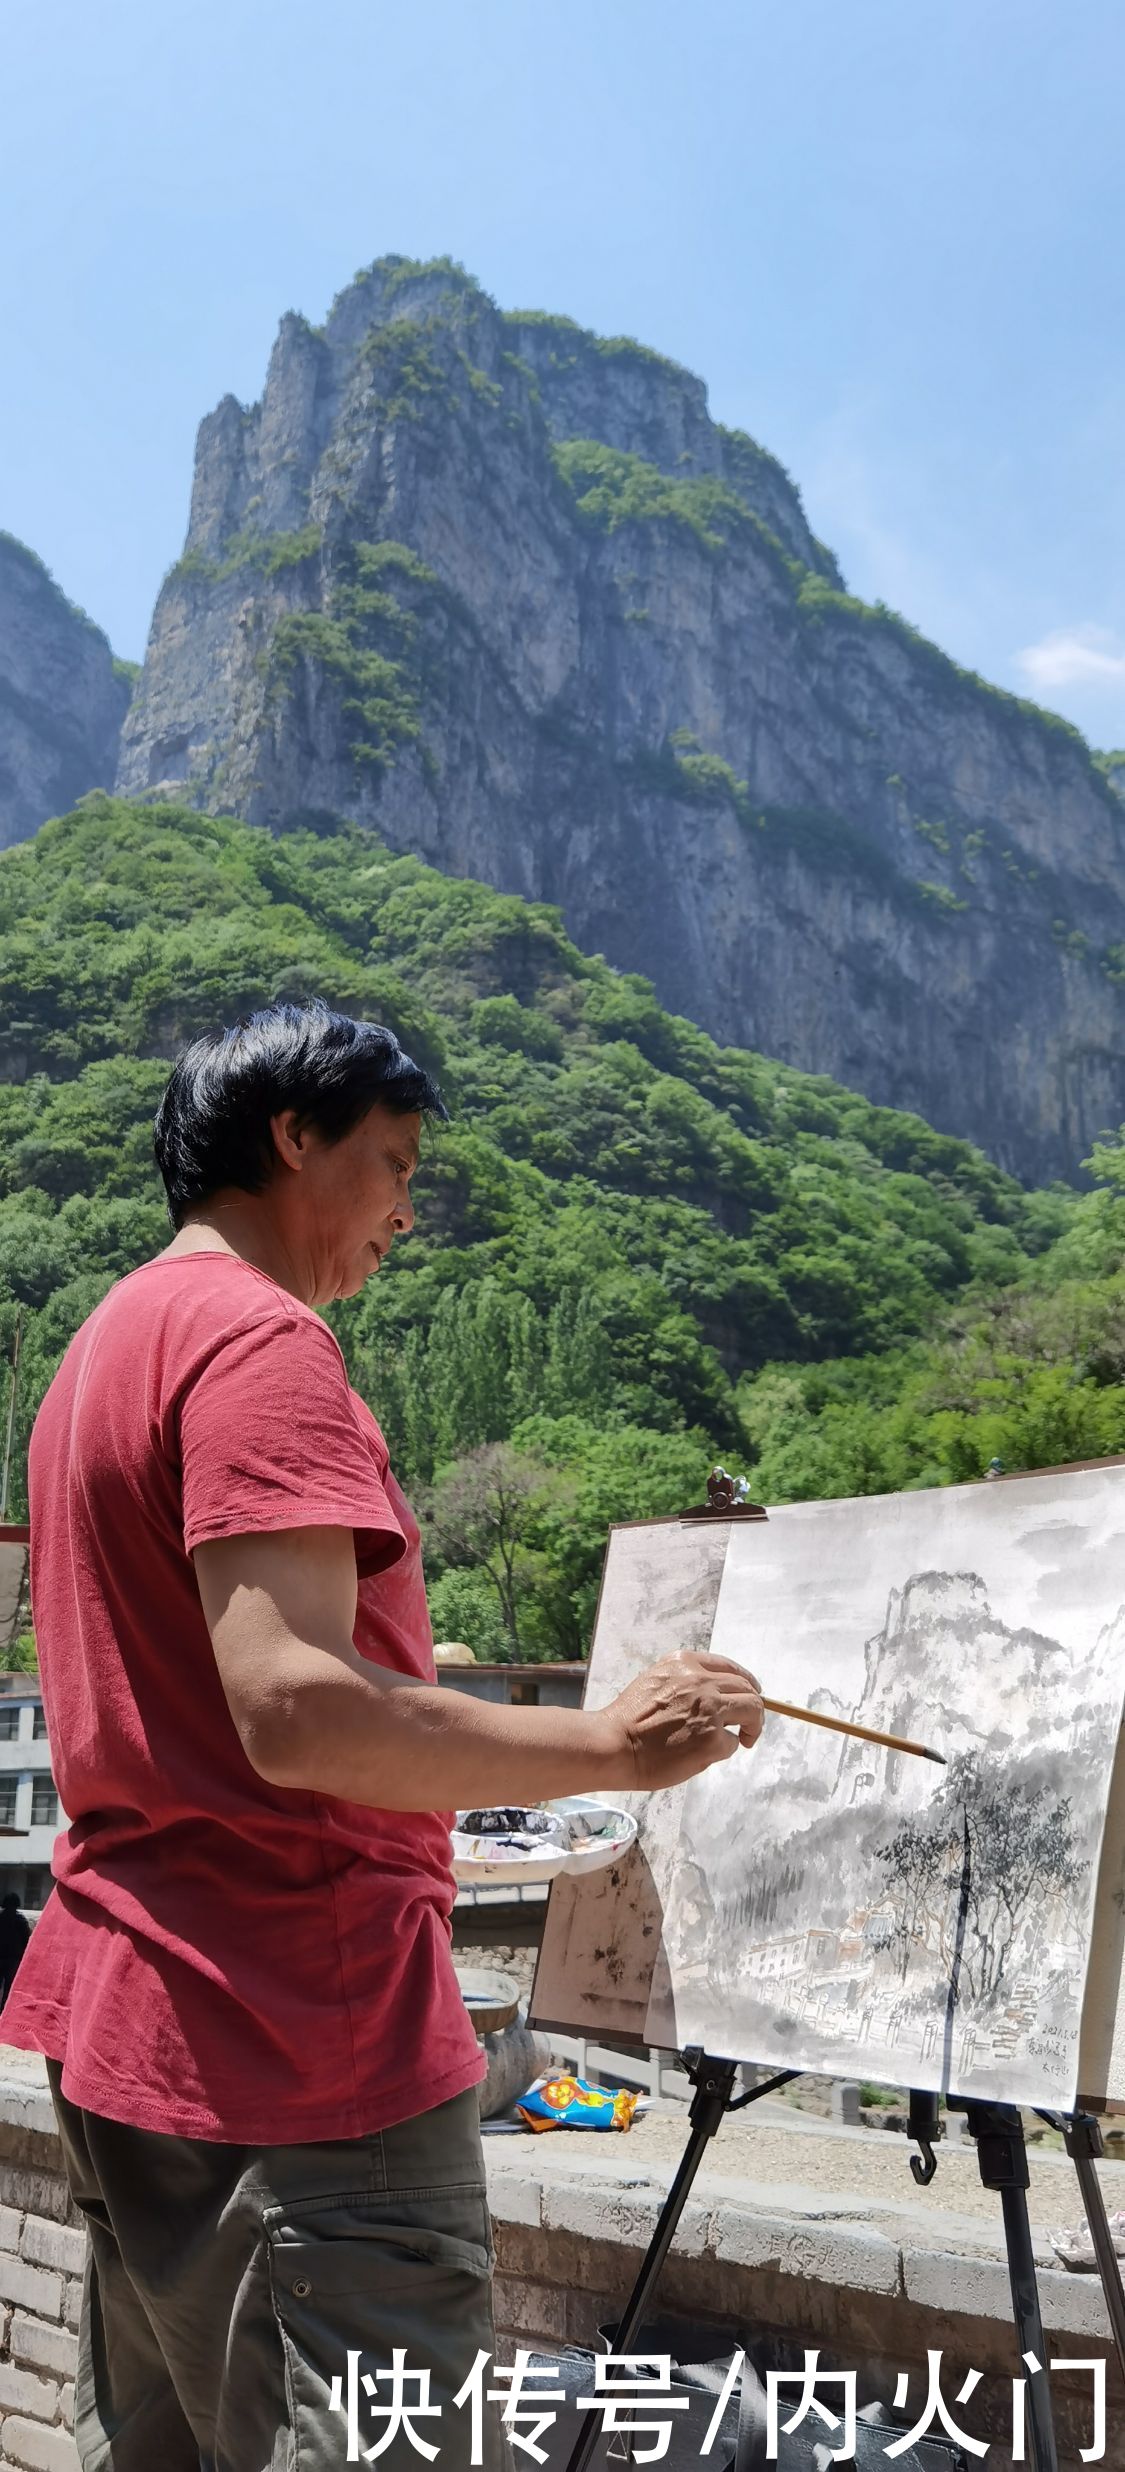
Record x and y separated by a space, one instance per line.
213 1123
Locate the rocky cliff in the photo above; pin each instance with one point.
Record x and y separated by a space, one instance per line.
63 698
503 590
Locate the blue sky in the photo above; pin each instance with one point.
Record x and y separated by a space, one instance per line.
889 236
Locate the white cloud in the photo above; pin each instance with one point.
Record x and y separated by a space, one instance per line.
1074 656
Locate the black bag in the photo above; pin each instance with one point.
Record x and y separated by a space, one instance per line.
700 2359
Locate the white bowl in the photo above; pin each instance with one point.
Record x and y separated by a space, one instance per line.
492 2000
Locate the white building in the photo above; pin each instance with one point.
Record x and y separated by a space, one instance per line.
28 1800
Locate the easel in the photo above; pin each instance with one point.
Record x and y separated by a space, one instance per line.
997 2132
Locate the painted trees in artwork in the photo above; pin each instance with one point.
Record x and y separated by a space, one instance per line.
1022 1856
1021 1860
917 1867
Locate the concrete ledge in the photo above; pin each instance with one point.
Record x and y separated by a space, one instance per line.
624 2214
569 2238
621 2211
866 2261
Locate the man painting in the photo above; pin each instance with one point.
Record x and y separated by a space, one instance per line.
264 2074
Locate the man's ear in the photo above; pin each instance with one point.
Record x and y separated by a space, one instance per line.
290 1139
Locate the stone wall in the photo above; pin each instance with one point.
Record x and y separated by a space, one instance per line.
568 2239
42 2251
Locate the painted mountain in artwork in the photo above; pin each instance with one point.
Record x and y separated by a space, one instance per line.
945 1670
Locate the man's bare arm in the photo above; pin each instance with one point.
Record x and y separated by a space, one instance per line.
310 1712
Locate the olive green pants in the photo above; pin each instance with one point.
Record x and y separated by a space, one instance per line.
244 2307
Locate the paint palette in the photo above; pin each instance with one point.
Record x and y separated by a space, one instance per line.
527 1847
508 1845
599 1832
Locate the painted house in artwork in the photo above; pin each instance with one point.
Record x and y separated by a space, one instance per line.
801 1952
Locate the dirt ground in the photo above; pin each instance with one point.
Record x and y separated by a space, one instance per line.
868 2169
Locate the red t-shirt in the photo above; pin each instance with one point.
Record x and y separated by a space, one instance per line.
221 1958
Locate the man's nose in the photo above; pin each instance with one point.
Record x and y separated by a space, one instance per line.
404 1216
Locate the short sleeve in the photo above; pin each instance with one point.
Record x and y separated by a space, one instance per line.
270 1439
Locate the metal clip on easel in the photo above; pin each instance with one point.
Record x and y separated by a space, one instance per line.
923 2128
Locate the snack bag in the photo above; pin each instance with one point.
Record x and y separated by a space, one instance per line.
569 2103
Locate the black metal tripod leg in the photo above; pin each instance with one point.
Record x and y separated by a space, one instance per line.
1084 2143
1104 2251
714 2086
1029 2326
714 2097
710 2102
997 2130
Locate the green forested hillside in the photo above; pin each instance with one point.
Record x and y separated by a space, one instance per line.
635 1250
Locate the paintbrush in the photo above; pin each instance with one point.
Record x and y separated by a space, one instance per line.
844 1725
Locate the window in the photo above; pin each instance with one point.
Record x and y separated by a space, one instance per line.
9 1721
39 1728
32 1887
44 1803
525 1694
9 1788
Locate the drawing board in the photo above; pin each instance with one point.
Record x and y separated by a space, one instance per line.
823 1905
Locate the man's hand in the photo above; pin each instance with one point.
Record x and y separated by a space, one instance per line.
680 1717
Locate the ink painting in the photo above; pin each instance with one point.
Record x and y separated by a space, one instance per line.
838 1907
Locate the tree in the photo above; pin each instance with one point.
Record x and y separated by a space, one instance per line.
17 1647
625 1472
464 1606
1106 1163
481 1513
482 1365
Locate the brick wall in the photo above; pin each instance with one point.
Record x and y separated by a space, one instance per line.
42 2252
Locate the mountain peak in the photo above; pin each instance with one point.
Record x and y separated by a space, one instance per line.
502 590
63 697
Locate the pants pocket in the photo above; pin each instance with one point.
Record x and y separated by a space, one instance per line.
352 2287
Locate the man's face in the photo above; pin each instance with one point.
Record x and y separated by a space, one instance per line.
351 1198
